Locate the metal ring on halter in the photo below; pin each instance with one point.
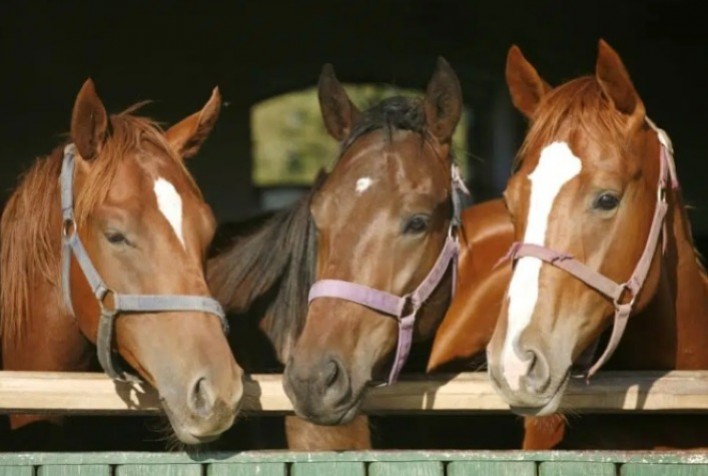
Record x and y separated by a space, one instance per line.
102 294
409 307
68 228
661 194
627 289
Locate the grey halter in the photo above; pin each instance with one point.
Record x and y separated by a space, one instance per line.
122 303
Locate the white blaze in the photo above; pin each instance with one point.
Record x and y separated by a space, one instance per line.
362 184
556 166
170 205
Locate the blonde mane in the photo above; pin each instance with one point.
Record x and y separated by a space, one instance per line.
30 226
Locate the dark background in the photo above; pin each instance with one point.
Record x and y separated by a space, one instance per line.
175 53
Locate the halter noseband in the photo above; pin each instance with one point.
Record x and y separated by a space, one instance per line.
617 292
122 303
403 308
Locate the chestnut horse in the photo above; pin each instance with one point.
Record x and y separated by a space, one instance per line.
381 219
593 130
112 227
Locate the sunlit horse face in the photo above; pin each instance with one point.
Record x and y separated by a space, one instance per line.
149 236
586 186
382 217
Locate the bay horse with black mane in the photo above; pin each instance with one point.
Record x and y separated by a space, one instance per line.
604 244
376 240
102 254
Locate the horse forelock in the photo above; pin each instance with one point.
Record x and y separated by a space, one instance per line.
579 104
391 114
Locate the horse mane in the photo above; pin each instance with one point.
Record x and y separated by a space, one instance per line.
280 257
281 252
29 228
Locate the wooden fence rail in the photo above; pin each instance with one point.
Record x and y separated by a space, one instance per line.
608 392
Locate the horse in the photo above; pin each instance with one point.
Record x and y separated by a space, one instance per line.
591 154
102 256
461 338
383 219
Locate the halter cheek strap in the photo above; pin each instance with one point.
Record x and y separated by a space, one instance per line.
122 303
617 292
402 308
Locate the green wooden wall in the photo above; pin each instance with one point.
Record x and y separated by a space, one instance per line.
374 463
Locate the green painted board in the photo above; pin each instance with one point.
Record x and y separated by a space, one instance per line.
640 469
16 471
328 469
159 470
491 468
407 468
74 470
576 468
247 469
288 457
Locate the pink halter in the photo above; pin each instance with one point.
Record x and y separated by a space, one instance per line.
402 308
601 283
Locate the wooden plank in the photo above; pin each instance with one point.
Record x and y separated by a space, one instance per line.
491 468
575 468
159 470
323 469
74 470
16 471
407 468
247 469
644 469
92 393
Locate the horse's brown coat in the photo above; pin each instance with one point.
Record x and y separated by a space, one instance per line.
670 329
135 250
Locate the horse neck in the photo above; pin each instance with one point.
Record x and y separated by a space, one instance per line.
675 321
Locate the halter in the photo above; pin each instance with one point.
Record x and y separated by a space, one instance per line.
618 293
403 308
122 303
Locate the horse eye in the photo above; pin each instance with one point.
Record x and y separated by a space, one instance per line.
606 202
416 224
115 237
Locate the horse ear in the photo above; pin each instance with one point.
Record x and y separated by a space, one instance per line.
188 135
525 85
443 101
89 122
615 82
338 112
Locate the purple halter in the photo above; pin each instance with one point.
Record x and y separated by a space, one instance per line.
402 308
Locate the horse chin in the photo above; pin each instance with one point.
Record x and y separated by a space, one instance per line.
338 416
192 435
549 407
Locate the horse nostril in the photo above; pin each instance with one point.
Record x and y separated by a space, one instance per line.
332 373
201 398
538 376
